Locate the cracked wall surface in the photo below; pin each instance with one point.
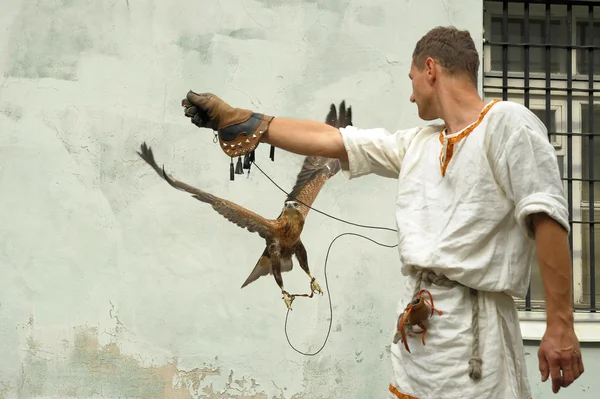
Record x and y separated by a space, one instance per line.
113 284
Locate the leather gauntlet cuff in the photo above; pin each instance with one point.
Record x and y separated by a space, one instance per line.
242 138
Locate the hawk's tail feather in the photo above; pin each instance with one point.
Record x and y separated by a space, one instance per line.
262 268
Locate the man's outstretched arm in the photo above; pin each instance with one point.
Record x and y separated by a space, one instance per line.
303 137
360 151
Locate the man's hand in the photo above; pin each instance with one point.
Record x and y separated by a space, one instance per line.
239 130
560 356
209 111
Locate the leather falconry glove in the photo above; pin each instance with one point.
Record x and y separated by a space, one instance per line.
238 130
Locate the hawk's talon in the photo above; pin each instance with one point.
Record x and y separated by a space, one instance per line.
315 287
288 299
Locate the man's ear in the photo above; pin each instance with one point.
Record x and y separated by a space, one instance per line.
431 68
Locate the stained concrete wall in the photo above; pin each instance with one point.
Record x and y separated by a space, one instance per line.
115 285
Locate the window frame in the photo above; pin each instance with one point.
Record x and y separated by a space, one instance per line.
493 9
577 19
533 322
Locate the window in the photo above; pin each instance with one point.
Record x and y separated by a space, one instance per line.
539 55
587 37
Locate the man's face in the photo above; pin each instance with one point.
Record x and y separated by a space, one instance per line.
423 90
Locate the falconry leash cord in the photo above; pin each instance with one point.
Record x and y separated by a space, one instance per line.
475 361
325 263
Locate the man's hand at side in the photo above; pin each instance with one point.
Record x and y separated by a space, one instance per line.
559 353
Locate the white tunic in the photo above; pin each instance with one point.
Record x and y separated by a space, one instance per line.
468 221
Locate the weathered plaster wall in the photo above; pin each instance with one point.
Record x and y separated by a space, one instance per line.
115 285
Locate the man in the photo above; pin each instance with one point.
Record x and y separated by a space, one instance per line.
478 197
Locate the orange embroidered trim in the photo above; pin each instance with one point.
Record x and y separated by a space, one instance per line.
399 394
456 139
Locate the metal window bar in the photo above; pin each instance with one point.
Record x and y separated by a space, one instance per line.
570 91
591 107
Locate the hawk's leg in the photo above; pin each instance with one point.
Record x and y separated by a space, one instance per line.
275 255
302 256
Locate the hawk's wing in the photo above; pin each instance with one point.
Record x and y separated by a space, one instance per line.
317 170
239 215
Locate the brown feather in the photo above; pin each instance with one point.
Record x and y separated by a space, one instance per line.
315 170
236 214
262 268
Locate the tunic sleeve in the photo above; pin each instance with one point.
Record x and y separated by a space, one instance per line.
527 171
374 151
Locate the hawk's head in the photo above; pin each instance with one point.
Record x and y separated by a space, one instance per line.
292 212
291 205
292 208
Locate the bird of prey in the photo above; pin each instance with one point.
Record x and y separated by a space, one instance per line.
282 235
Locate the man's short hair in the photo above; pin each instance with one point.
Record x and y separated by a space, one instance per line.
453 49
